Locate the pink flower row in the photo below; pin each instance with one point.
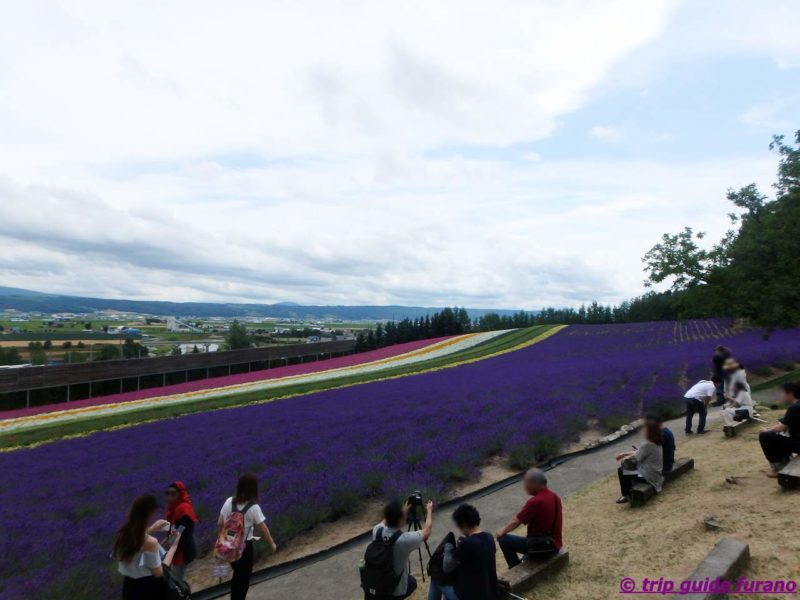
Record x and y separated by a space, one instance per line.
218 382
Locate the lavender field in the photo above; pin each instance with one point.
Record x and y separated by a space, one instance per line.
319 455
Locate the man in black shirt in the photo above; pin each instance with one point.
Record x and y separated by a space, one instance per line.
473 561
778 448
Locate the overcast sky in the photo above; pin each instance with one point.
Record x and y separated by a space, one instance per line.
492 154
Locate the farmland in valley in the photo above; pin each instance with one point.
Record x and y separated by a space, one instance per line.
319 455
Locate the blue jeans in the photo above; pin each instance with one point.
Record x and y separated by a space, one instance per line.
410 589
436 592
512 546
720 394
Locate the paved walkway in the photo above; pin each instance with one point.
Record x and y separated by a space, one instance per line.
336 578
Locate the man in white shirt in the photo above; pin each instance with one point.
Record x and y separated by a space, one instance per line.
697 400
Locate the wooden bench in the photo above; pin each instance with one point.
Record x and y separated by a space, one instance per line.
789 476
525 575
725 561
731 430
642 492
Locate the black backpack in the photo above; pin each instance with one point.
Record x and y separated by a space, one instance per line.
377 576
436 563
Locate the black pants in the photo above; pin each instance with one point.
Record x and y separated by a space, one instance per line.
144 588
693 405
242 569
778 448
626 482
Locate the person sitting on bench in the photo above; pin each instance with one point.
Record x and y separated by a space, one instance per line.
542 514
777 447
697 400
740 406
643 465
667 443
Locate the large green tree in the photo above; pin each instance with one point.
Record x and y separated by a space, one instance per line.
754 270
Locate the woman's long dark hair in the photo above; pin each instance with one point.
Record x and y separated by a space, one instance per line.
130 537
246 489
653 433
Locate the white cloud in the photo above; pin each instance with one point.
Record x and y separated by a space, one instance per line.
315 152
605 133
774 115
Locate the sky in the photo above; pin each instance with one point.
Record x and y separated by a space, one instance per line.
507 154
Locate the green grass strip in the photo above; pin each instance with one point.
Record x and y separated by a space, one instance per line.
46 433
773 383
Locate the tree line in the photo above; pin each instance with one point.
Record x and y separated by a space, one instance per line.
448 321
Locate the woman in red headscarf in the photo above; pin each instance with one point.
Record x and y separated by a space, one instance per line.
180 513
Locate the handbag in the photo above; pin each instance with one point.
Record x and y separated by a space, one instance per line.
542 546
174 588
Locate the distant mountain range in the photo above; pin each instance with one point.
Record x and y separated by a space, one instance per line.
31 301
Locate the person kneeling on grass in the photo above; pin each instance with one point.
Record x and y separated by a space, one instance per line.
542 514
644 465
472 562
739 407
780 441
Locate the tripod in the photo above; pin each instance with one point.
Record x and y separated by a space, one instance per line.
414 524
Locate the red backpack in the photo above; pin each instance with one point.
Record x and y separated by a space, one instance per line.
232 536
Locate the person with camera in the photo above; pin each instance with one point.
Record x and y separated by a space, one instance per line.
386 574
471 564
543 516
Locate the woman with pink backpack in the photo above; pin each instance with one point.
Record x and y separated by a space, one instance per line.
238 521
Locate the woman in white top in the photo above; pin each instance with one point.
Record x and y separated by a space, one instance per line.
139 553
246 494
741 400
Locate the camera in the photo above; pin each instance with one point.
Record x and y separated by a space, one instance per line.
415 499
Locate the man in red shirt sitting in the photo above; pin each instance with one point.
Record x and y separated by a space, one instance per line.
542 514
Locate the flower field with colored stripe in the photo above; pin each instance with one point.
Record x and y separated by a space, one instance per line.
319 455
333 369
350 360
